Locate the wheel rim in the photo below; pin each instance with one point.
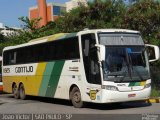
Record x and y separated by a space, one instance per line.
14 89
76 97
22 92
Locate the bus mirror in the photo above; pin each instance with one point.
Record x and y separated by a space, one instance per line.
153 52
101 49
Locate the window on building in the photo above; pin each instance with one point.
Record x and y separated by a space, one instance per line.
56 10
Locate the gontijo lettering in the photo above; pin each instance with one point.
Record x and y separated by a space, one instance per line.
25 69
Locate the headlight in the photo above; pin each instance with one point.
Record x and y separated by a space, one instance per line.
109 87
147 85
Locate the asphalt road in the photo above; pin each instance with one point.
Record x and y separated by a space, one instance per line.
40 105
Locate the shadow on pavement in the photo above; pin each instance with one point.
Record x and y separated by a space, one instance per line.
50 100
112 106
109 106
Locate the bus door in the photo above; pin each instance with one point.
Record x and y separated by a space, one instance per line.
91 66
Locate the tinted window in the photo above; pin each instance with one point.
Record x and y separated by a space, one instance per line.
90 59
55 50
6 58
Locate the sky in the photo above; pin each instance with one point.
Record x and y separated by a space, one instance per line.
11 10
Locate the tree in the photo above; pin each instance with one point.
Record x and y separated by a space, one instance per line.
145 17
1 37
99 14
30 24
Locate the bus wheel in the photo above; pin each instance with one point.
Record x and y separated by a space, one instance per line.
75 97
22 92
15 91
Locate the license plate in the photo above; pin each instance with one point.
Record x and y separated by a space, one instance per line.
131 95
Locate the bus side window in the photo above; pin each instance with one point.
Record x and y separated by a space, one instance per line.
21 56
6 58
12 58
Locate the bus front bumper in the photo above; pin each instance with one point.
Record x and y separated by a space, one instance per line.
109 96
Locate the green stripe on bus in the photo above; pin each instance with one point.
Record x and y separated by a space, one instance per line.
65 36
46 78
71 35
53 82
134 84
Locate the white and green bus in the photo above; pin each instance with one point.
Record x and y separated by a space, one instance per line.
99 66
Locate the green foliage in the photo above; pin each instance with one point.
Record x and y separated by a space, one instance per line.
30 31
145 17
155 92
30 24
1 37
100 14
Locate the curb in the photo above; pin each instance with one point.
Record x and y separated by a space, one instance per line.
153 100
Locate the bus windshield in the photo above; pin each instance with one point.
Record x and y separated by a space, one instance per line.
126 64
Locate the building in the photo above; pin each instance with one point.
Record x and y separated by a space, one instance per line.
7 30
75 3
46 11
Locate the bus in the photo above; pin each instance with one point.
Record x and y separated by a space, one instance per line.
98 66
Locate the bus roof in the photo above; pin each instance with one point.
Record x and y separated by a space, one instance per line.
57 36
60 36
108 30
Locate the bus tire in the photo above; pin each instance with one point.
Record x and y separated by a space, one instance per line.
76 99
15 91
22 92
